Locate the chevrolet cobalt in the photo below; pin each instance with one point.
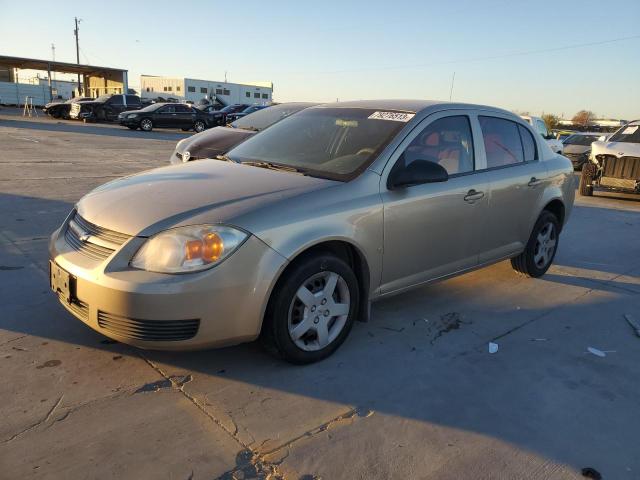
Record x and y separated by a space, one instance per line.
293 233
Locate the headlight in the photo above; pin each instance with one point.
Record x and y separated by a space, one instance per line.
132 115
188 249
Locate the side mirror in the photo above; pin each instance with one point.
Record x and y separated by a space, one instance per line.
417 172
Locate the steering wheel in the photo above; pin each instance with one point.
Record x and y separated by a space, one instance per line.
362 151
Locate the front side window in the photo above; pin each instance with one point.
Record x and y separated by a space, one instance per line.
542 128
447 142
116 100
502 142
167 109
333 143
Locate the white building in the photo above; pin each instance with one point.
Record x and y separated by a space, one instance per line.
194 90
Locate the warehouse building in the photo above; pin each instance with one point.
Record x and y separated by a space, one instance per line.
193 90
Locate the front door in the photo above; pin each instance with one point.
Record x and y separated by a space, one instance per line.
166 116
435 229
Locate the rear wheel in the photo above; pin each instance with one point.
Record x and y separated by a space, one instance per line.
146 124
541 248
199 126
312 309
586 180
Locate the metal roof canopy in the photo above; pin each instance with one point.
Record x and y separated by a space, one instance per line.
54 66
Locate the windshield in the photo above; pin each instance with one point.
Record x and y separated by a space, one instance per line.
268 116
333 143
627 134
583 140
229 108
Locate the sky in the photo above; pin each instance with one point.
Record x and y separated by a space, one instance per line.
530 56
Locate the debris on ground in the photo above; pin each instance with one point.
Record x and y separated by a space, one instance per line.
592 473
493 347
635 324
539 339
596 352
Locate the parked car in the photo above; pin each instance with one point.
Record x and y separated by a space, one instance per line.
220 116
220 140
105 107
210 108
62 109
577 147
614 163
165 115
231 117
307 223
562 135
540 126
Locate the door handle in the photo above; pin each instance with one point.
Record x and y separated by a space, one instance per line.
472 196
533 182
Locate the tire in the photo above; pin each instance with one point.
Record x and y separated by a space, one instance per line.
185 129
199 126
291 314
146 125
586 180
534 262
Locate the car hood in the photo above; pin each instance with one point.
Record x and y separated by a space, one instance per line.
576 149
209 191
618 149
210 143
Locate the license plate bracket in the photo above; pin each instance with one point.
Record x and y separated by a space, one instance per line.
61 281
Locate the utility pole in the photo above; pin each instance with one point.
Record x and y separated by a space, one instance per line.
75 32
453 79
53 55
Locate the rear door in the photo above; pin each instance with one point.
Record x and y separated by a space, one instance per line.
185 116
165 116
434 230
517 181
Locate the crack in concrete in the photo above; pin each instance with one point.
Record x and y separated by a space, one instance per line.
250 463
13 340
37 424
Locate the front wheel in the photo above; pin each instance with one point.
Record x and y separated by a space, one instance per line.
199 126
586 180
541 248
146 125
312 309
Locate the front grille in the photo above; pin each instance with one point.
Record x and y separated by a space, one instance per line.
76 307
623 167
91 240
148 330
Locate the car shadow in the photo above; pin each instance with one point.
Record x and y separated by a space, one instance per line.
421 357
89 129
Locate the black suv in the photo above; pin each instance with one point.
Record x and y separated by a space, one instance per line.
167 115
105 107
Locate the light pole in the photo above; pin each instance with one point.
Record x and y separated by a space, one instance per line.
75 32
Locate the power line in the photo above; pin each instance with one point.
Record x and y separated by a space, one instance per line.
481 59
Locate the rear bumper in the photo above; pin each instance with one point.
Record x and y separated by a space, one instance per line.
220 306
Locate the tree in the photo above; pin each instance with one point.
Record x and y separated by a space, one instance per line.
583 117
551 120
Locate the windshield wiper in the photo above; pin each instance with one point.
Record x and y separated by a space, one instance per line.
275 166
225 158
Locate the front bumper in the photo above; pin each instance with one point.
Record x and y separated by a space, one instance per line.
217 307
128 122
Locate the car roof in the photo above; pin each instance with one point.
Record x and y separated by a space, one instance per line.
407 105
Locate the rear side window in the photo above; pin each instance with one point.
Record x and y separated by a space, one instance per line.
502 142
132 99
528 144
116 100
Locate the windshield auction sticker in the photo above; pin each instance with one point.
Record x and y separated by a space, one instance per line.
393 116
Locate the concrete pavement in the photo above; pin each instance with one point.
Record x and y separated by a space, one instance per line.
412 394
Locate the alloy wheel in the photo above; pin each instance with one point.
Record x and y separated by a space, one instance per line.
545 248
319 311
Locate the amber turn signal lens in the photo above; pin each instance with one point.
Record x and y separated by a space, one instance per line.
213 247
193 249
